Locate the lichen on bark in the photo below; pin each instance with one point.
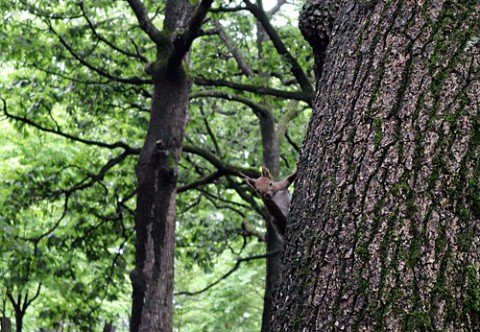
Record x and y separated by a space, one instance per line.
385 215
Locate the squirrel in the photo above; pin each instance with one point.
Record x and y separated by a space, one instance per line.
275 196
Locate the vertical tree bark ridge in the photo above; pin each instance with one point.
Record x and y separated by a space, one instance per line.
384 231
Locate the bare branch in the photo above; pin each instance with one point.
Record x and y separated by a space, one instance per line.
242 192
276 8
52 72
94 178
37 293
229 205
249 231
227 9
200 182
292 143
37 239
218 151
99 177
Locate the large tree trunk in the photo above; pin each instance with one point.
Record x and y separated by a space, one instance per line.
385 229
152 278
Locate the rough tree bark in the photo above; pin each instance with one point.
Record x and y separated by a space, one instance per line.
152 278
384 232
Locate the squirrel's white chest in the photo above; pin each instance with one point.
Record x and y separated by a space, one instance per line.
282 200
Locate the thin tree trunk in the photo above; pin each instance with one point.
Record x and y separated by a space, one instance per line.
274 244
109 327
384 232
271 158
18 321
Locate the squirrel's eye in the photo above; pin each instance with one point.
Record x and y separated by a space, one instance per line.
270 184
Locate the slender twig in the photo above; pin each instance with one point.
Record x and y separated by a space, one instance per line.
200 182
292 143
237 55
256 108
107 42
226 275
101 72
218 151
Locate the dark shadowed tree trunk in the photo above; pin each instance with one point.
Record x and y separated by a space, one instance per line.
5 324
152 278
271 158
384 234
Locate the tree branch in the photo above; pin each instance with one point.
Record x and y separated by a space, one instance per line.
249 231
296 69
110 44
37 239
183 42
296 95
277 7
237 55
218 163
201 182
37 293
247 198
99 71
116 145
227 9
256 108
94 178
218 151
146 24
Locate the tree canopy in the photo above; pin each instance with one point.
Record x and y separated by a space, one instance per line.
75 107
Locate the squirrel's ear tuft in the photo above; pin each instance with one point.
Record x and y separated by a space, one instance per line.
266 172
250 182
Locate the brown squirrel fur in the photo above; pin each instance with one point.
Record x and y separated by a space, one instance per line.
275 196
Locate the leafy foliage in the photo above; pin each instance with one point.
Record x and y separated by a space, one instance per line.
75 103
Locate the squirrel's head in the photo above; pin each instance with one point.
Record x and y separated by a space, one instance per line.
264 185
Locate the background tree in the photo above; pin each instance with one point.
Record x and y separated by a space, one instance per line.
384 229
155 215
